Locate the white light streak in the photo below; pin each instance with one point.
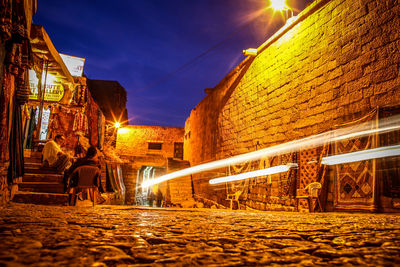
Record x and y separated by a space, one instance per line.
380 152
246 175
361 130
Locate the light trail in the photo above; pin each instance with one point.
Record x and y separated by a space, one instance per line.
364 129
374 153
246 175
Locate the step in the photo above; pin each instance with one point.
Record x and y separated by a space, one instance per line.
43 171
40 177
42 187
32 165
33 160
32 154
40 198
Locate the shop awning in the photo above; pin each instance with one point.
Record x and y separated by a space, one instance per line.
43 49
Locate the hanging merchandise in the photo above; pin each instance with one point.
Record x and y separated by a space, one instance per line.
80 122
5 95
31 128
22 91
25 112
79 150
100 128
16 150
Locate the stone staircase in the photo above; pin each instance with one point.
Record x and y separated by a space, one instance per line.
39 185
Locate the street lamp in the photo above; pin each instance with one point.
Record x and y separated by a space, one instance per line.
117 125
278 4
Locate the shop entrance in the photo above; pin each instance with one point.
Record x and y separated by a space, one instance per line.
151 196
30 127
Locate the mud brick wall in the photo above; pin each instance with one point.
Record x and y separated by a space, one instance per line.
337 60
129 173
133 140
180 189
132 146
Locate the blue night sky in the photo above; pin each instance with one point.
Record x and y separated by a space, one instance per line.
139 42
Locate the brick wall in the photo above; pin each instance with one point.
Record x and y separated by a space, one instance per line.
180 189
133 140
132 146
337 61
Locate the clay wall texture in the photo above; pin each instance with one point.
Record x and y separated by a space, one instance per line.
132 146
339 60
133 140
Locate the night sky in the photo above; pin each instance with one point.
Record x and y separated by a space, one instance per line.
139 43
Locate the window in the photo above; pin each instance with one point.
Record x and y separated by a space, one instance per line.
154 146
178 150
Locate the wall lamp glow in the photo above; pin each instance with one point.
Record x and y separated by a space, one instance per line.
278 4
246 175
250 52
117 125
380 152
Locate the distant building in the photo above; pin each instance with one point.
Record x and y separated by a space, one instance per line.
111 97
153 151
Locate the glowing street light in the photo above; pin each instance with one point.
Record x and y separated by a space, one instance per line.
278 4
117 125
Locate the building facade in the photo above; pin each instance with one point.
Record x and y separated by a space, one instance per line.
152 151
334 65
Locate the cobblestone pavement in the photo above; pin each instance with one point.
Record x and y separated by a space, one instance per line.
128 236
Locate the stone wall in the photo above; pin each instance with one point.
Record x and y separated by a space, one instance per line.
338 60
180 191
132 147
133 140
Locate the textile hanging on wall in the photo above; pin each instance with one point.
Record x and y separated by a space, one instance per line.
243 185
92 113
287 180
100 127
80 122
355 183
111 185
4 118
389 168
119 181
13 91
16 150
312 170
31 128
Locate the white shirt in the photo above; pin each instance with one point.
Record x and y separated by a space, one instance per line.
50 151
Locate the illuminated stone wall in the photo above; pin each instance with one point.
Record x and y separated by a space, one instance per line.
338 61
132 146
134 139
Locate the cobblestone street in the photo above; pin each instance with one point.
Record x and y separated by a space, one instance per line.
124 235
